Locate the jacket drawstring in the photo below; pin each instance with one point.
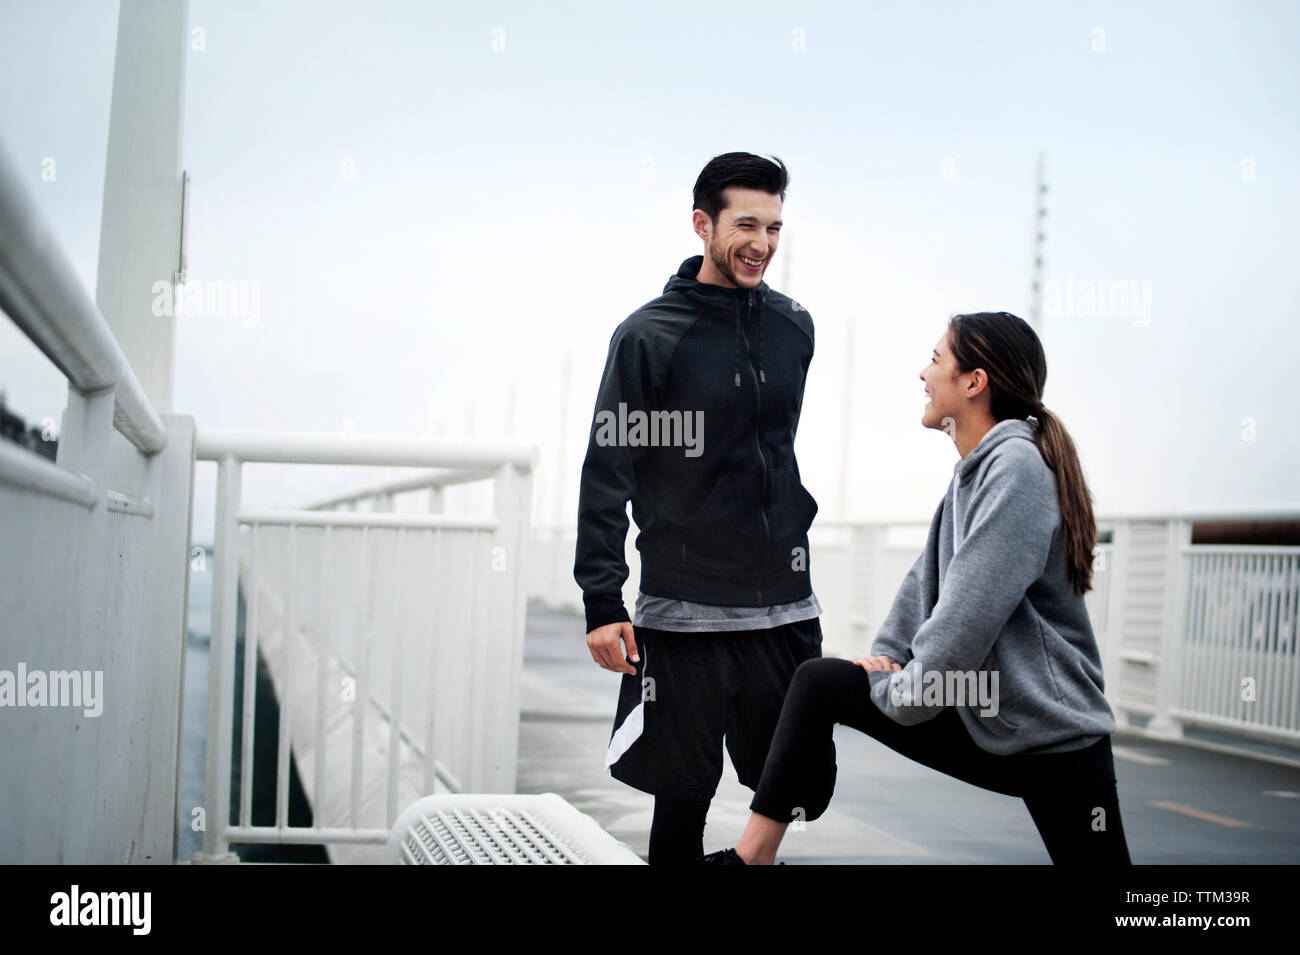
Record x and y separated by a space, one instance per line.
737 364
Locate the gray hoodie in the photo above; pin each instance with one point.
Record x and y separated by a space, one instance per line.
987 620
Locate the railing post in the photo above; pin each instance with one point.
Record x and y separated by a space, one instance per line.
84 448
221 661
1116 600
1173 635
512 496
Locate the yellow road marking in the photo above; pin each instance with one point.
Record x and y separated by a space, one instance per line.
1198 813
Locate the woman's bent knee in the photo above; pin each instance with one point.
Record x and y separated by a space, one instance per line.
827 688
827 671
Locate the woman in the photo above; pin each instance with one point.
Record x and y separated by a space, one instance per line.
986 667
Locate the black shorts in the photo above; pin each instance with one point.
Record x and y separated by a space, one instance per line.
693 689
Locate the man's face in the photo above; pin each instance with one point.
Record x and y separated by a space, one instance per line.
740 246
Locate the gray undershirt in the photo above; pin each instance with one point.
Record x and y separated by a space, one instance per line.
664 613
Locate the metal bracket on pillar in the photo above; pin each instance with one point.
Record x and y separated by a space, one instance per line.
183 259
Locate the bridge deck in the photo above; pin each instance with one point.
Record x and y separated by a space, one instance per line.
1181 804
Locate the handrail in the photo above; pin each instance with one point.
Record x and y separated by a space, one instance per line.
44 297
285 517
33 471
420 482
329 447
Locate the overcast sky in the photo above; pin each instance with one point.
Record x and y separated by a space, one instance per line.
439 201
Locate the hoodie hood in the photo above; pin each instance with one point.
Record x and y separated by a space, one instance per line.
1008 429
718 301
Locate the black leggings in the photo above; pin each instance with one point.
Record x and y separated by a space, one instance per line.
1070 796
677 831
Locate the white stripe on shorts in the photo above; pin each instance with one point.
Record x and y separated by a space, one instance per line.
627 734
630 730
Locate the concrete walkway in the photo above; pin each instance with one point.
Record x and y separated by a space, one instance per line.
1181 804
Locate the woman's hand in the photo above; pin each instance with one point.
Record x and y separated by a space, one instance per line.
877 663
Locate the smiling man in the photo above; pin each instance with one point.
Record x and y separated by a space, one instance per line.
726 611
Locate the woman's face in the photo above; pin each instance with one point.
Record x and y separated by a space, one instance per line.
944 386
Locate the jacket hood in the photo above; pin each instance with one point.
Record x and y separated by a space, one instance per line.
707 294
724 301
1008 429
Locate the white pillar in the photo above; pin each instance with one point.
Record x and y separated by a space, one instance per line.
139 238
846 433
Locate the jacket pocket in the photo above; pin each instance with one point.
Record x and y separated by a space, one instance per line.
1027 684
793 510
997 722
725 535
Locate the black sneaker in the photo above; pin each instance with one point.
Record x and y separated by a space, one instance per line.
721 857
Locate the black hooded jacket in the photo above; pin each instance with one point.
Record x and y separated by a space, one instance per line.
723 516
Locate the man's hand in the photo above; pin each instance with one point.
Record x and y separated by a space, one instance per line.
877 663
603 642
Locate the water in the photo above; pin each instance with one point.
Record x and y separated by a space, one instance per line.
194 706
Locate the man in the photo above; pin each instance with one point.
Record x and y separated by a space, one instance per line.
695 424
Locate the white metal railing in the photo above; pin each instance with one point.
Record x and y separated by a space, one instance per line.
1239 660
394 640
41 293
1187 633
92 577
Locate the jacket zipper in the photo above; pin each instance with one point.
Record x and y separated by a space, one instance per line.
758 443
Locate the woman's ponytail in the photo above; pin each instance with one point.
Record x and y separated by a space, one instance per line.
1078 524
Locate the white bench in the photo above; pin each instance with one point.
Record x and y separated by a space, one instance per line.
506 829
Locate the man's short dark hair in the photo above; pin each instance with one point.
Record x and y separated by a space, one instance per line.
738 169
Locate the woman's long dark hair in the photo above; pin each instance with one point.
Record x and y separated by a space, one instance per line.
1010 353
